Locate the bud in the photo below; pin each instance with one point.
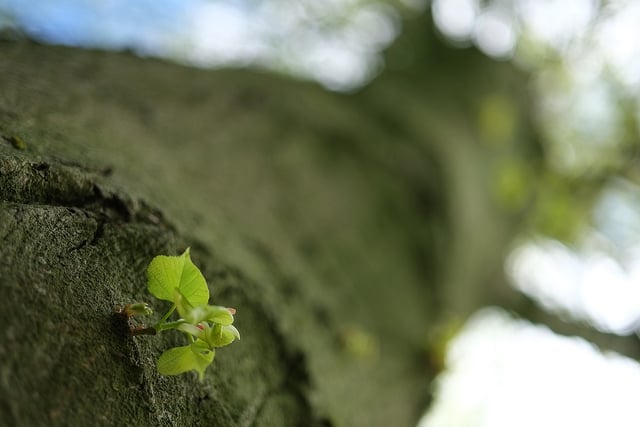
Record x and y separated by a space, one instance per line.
137 309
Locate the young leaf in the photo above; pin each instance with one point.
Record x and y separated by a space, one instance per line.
181 303
167 273
211 313
220 336
194 357
137 309
193 330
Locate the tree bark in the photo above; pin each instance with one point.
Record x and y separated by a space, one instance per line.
343 228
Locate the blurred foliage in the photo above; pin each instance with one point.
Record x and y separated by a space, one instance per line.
585 83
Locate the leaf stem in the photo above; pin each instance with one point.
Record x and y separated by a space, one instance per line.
169 325
159 325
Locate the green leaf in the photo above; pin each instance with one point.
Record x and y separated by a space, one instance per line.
194 357
220 336
232 330
211 313
181 303
167 273
191 330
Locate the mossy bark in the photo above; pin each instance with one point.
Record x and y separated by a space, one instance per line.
326 220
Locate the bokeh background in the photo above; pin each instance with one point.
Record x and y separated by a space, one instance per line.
576 252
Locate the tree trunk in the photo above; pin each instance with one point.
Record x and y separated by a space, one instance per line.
343 229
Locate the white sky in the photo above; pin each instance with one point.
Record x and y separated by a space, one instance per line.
504 372
599 279
591 285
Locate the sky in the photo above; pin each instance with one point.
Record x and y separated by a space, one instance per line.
335 42
507 372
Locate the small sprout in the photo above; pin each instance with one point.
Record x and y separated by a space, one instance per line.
177 280
137 309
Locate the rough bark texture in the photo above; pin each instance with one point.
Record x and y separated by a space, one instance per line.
338 226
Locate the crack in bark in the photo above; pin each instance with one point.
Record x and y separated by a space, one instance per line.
41 182
29 183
